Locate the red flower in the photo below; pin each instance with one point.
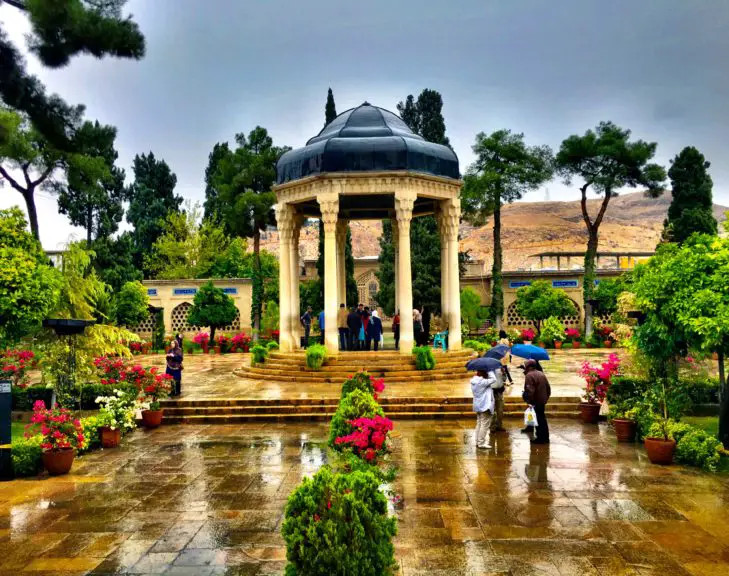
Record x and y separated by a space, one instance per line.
317 518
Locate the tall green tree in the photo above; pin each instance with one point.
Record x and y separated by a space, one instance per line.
26 152
605 160
330 110
131 304
29 286
114 260
245 179
539 301
60 30
213 209
94 190
151 198
691 208
212 307
505 169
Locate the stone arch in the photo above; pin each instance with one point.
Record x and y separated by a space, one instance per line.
367 288
516 320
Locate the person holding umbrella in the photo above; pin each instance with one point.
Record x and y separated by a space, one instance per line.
483 406
536 393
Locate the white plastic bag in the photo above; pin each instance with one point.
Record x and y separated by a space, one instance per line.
530 417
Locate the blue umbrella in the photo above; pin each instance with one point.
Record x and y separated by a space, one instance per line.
483 363
498 352
529 352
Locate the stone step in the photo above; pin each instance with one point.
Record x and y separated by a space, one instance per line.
424 408
331 375
351 367
337 380
325 417
379 355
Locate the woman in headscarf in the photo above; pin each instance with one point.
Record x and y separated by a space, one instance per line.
374 330
174 366
417 327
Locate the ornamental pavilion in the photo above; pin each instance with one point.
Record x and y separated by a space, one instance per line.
366 164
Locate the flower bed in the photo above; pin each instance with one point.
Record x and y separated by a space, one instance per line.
14 364
598 378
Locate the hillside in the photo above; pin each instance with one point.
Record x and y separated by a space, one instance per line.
632 222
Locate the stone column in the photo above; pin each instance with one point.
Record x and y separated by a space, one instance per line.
294 281
404 202
451 217
341 267
329 204
444 267
285 223
395 245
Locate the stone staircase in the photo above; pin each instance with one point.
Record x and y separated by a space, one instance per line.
235 411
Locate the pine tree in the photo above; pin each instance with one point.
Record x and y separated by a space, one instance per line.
330 110
691 209
212 207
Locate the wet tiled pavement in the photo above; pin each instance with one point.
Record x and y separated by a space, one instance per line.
197 500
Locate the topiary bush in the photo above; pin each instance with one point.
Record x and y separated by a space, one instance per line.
259 354
338 524
356 404
698 448
359 381
424 359
272 345
316 355
26 456
476 346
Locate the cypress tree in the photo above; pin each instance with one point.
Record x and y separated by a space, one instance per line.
330 110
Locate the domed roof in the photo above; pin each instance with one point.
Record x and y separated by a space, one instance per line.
367 139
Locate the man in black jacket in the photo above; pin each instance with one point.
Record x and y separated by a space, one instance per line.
354 323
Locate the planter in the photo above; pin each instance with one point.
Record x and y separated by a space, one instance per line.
542 345
110 438
589 412
152 418
527 341
660 451
624 430
218 350
575 344
589 345
205 348
558 344
58 462
607 344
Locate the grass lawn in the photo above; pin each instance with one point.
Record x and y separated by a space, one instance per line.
17 430
709 424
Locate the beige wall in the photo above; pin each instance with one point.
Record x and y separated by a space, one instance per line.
175 297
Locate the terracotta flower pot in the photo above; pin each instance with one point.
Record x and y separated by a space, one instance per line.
58 462
589 412
589 345
217 349
607 344
542 345
527 341
558 344
575 344
109 438
205 347
660 451
152 418
624 430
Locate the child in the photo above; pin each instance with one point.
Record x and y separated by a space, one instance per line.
483 406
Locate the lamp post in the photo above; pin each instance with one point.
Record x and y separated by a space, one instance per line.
67 328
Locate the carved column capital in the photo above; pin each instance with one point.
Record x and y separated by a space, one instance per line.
285 216
404 203
449 217
329 205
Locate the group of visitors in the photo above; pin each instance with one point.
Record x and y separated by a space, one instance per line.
488 399
359 328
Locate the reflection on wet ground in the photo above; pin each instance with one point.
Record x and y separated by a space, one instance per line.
197 500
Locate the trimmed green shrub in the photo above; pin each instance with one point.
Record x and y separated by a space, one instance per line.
24 398
698 448
552 330
359 381
338 524
316 355
259 354
424 359
476 346
356 404
26 456
272 345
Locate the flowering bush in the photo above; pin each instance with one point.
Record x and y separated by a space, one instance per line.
370 437
109 369
598 378
527 334
135 347
156 388
201 338
116 411
355 405
14 365
224 342
241 341
572 334
59 429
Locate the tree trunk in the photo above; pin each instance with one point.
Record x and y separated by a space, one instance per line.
29 197
89 224
212 336
497 288
723 404
257 284
588 283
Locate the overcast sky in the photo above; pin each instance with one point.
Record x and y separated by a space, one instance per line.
545 68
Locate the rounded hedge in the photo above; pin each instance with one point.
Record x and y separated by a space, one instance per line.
338 524
356 404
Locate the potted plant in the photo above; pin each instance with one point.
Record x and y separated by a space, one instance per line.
62 435
241 341
552 332
527 335
659 443
156 387
573 335
116 417
608 336
597 382
623 420
202 339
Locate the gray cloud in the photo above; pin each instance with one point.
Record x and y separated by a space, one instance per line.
548 69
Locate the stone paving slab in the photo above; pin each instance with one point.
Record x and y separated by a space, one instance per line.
207 500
